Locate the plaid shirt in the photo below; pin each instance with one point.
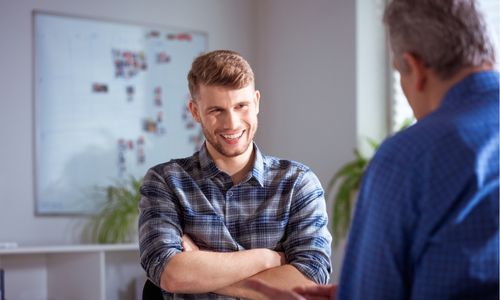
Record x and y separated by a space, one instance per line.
279 206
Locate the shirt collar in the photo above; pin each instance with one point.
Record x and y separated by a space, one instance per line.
209 168
258 166
478 82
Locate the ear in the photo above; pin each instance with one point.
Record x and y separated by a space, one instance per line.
193 108
418 70
257 100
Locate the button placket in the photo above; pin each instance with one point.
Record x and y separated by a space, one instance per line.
227 204
230 194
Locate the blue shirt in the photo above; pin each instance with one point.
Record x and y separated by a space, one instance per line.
279 206
426 221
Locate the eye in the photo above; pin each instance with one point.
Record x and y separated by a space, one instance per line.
215 110
242 105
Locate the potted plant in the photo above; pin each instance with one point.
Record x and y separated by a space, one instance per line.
116 221
347 180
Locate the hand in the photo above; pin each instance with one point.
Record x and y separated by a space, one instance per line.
316 292
282 258
272 258
188 245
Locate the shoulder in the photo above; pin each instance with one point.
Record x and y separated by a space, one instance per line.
433 134
440 147
276 164
443 135
188 166
290 172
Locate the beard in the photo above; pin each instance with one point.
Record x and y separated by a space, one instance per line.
219 147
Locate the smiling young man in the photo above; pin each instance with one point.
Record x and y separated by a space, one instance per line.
228 213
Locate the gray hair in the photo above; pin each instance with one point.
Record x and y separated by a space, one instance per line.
447 35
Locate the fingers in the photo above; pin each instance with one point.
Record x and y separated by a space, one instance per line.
188 244
283 258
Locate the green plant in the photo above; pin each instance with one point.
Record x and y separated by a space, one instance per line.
347 180
117 219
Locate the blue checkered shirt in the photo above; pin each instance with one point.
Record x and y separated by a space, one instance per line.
426 221
279 206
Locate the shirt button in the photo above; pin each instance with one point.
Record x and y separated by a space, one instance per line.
229 194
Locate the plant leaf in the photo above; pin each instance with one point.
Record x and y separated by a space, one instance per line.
116 218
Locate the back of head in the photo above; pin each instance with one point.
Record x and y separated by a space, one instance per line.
219 68
448 35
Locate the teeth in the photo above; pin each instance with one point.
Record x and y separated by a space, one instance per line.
232 136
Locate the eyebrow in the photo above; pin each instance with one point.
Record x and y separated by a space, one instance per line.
223 108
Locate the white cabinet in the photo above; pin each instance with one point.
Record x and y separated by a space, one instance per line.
86 272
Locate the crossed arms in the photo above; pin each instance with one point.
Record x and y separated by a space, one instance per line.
218 262
226 273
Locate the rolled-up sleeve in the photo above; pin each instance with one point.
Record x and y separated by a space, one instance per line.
160 231
307 241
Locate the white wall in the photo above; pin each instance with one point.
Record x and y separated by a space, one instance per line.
229 24
306 74
306 71
303 54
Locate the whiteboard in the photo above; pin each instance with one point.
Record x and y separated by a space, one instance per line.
110 102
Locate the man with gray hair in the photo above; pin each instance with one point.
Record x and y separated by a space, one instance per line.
426 221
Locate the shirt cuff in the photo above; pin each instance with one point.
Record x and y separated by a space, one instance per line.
313 270
157 265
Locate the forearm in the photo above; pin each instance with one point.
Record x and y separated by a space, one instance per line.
204 271
284 277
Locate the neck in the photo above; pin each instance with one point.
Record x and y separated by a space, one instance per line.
440 87
237 166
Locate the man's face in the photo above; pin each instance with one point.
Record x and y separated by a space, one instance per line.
228 117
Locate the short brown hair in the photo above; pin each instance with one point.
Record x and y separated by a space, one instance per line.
219 68
447 35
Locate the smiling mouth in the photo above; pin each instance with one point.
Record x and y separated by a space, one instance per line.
233 136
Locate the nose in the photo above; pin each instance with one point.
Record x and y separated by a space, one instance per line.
231 120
